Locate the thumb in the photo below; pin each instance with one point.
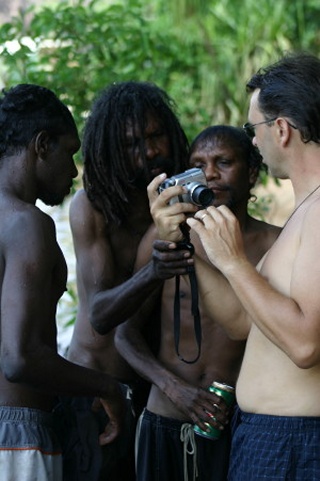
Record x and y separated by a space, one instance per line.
110 433
152 188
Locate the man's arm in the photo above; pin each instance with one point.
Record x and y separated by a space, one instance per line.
288 317
218 297
216 294
191 400
168 218
33 281
111 303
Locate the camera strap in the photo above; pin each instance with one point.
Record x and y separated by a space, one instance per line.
194 307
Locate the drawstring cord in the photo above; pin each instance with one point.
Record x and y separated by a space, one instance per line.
187 437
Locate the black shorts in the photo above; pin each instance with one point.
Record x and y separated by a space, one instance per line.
83 458
162 455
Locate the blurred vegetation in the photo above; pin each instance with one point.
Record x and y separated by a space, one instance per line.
200 51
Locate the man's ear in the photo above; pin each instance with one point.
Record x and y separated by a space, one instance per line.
282 130
41 144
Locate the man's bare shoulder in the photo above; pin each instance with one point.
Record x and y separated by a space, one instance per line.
85 219
21 218
259 238
80 205
312 211
265 228
27 233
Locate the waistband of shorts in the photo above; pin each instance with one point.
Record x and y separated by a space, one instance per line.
9 413
280 422
163 420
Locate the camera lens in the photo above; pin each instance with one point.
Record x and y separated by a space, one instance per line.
201 195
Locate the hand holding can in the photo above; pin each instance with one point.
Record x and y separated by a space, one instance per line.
227 393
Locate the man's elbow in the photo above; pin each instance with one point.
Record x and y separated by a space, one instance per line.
98 325
306 355
120 338
97 321
13 367
104 320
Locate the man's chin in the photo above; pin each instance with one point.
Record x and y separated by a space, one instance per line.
52 201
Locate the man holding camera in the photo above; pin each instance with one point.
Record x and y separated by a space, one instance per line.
131 135
187 364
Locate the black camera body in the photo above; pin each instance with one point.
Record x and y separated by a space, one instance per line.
194 180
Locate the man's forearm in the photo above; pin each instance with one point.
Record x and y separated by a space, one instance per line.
134 349
277 315
114 306
220 302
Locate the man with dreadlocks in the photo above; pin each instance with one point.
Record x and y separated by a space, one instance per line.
131 135
167 447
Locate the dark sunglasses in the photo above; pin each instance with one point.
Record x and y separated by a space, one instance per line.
249 128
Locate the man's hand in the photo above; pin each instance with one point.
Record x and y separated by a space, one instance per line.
220 235
166 217
199 405
115 411
169 261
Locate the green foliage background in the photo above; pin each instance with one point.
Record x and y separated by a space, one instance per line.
200 51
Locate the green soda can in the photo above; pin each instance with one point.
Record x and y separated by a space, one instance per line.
228 394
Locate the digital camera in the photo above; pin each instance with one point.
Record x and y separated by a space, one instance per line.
194 180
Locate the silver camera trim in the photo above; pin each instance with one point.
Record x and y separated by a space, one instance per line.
192 179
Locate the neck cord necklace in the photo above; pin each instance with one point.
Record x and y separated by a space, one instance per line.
304 200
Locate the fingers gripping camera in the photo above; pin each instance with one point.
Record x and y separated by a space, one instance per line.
194 180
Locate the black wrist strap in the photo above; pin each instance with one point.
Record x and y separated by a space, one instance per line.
194 308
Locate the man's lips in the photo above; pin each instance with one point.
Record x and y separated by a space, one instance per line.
217 190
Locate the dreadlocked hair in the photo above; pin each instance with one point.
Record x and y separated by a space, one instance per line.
108 168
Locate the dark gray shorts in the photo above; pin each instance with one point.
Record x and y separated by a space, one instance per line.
29 446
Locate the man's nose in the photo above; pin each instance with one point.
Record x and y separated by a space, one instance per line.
211 172
151 148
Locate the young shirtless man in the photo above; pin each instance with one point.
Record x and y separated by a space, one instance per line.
131 135
38 139
278 304
167 446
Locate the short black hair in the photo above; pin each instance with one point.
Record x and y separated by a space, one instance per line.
26 110
107 165
236 138
291 88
